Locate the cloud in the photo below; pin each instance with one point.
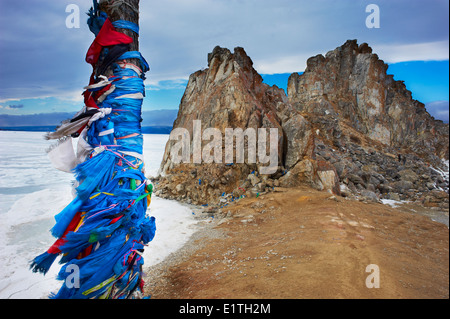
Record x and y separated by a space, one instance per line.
281 35
428 51
45 58
12 107
439 110
287 64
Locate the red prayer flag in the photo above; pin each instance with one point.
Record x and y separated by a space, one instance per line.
106 37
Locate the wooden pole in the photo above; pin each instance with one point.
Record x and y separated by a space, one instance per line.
123 10
104 230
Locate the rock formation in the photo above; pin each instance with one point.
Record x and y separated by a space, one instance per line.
231 94
349 90
345 126
381 142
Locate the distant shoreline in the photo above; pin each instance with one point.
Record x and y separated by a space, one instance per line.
50 128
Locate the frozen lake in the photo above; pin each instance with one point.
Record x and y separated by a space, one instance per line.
32 192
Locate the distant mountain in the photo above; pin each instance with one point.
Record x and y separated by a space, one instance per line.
50 128
41 119
156 129
157 118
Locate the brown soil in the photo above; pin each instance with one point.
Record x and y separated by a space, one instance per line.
302 243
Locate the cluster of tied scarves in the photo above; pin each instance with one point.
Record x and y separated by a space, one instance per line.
101 234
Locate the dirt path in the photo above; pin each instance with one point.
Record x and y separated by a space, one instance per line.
300 243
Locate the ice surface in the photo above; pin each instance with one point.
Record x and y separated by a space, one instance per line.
32 192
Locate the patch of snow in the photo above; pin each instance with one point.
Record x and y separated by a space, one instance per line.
393 203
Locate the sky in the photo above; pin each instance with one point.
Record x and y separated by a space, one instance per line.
42 67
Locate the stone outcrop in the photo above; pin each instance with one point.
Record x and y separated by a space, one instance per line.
231 94
345 126
348 94
382 143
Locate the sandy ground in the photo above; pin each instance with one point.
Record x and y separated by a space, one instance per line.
302 243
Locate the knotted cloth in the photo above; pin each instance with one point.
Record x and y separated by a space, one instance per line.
101 234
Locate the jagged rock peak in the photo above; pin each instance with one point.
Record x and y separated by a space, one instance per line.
350 86
230 94
240 56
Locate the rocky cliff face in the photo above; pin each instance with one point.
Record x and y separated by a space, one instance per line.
343 127
382 143
231 94
350 88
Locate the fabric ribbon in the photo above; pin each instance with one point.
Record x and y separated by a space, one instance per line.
107 36
104 229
